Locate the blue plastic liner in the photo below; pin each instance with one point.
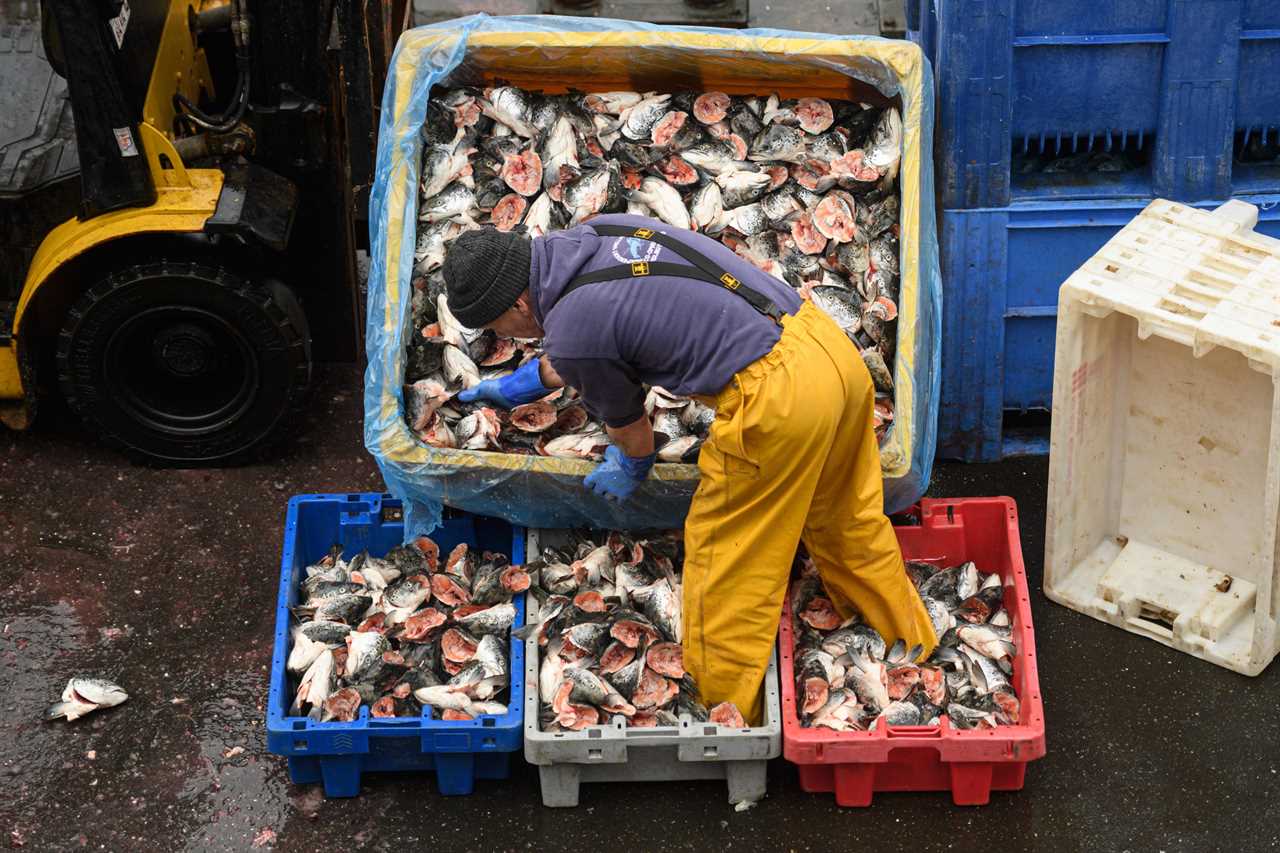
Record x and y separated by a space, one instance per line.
337 754
554 53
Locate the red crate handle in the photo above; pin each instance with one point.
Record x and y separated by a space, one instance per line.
914 732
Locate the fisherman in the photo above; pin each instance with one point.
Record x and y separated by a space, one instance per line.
625 301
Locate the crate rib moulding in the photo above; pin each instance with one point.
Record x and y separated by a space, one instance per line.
337 754
1164 474
615 753
968 763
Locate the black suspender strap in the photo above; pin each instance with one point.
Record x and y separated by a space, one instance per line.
702 269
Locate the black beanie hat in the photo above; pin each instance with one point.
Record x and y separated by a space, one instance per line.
485 271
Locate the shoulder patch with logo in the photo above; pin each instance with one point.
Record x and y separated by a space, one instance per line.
628 250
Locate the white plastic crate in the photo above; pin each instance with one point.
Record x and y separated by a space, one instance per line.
1164 470
611 752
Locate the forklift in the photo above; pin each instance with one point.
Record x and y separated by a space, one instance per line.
183 191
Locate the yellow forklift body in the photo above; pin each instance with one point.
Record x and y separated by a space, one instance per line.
185 198
176 210
10 380
180 67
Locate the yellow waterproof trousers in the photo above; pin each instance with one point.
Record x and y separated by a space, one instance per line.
792 456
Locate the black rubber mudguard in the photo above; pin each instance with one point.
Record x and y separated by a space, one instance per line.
255 203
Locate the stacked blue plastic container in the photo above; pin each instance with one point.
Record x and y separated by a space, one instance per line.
1175 99
339 754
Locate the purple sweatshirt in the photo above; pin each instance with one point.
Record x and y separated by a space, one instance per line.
609 338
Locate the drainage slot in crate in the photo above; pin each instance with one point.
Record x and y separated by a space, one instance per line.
1063 161
1175 307
1258 145
1194 297
1256 157
1155 619
1218 283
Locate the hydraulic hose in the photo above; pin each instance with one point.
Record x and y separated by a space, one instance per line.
240 99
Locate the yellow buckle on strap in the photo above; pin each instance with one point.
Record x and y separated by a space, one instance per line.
640 267
729 281
644 233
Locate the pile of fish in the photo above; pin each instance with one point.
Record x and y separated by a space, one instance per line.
556 425
404 631
847 681
608 625
804 189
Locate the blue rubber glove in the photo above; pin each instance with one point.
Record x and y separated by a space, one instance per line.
514 389
619 474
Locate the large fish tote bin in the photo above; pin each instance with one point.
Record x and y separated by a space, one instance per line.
556 54
969 763
1164 470
615 753
337 754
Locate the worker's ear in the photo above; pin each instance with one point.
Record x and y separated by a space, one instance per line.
525 303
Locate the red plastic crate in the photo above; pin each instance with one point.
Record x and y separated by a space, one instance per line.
968 763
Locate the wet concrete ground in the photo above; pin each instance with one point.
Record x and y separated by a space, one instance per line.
165 582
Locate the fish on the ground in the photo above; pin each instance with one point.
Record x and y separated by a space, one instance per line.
613 650
422 632
85 694
805 189
847 680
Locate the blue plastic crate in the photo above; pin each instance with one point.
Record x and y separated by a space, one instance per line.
1175 85
1258 98
922 26
338 754
1001 270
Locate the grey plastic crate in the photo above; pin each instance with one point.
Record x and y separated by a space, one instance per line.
614 753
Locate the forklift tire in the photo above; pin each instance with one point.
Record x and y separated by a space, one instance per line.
185 364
